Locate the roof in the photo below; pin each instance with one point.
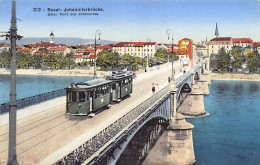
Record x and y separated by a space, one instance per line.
221 39
105 47
119 74
58 48
91 83
92 56
242 40
256 44
134 44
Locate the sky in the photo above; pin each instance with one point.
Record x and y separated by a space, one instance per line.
137 20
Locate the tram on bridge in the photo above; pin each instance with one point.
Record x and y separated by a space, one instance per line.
84 98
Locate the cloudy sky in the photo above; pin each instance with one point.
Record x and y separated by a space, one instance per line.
137 20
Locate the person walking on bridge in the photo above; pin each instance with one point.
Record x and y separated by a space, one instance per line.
153 88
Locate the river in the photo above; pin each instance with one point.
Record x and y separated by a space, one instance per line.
230 135
30 85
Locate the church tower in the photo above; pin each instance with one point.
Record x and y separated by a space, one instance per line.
216 30
51 37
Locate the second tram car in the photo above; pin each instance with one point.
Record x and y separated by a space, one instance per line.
86 97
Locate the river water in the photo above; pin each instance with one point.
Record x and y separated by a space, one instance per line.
230 135
30 85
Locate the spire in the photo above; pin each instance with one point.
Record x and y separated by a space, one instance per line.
216 30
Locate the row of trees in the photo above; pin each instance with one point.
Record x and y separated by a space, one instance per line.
106 60
111 60
236 59
37 61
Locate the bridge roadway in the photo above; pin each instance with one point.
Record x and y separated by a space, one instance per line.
40 135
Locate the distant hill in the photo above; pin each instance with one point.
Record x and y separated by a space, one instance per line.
59 40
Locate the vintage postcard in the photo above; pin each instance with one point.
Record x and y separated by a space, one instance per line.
130 82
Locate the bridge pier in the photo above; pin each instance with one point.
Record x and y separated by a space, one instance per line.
207 76
203 84
193 106
179 144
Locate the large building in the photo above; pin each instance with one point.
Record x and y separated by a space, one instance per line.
227 43
137 49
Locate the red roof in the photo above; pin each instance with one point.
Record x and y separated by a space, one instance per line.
46 44
221 39
105 47
134 44
92 56
242 40
256 44
57 48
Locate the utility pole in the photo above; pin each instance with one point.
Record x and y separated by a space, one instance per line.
12 35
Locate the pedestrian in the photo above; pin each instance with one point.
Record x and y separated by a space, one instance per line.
153 89
157 86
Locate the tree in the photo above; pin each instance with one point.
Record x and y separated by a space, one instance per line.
252 61
23 60
52 60
237 58
161 56
5 58
106 59
223 60
126 61
137 62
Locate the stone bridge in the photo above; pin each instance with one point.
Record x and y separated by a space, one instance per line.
107 146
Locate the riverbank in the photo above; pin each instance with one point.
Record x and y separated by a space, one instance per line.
56 72
235 77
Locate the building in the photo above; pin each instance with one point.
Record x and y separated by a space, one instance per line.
137 49
220 42
242 42
256 47
51 37
64 50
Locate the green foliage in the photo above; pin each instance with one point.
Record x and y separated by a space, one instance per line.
223 60
23 60
52 60
161 56
237 58
252 61
5 58
107 59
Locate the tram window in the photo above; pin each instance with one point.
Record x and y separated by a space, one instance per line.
114 86
96 93
74 96
126 81
87 96
82 96
69 97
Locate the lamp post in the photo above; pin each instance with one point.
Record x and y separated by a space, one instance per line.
168 32
98 32
147 66
12 35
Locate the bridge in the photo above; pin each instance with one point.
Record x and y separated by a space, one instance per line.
50 137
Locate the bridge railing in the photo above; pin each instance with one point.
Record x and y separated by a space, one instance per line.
182 78
29 101
87 150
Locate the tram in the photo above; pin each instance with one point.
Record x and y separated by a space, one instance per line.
86 98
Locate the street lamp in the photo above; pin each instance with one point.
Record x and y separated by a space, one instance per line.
98 32
12 35
147 66
168 32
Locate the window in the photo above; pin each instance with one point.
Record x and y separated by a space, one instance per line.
74 96
212 46
69 97
82 96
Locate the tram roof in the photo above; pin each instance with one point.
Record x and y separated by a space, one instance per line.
91 83
119 74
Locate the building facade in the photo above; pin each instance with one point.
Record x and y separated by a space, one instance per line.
137 49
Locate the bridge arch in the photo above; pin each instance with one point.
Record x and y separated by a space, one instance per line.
158 111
